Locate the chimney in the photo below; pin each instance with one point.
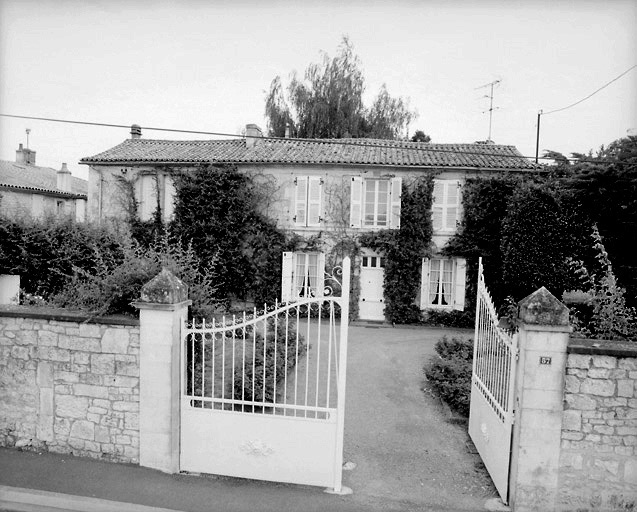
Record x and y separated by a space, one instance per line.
287 130
64 179
252 131
135 131
25 156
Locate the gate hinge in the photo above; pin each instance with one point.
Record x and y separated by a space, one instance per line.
517 354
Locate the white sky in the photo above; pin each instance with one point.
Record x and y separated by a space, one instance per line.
201 65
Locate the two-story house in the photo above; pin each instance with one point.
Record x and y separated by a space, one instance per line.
321 186
30 190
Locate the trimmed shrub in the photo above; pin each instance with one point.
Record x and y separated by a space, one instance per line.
450 372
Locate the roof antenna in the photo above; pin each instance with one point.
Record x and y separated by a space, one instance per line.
28 132
491 109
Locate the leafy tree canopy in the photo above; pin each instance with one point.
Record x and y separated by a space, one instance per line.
327 102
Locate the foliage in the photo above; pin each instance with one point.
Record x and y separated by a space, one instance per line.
404 249
539 233
459 319
220 212
279 358
45 252
610 318
113 283
606 187
450 372
420 136
484 206
328 103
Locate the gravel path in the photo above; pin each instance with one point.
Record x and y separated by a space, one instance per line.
397 435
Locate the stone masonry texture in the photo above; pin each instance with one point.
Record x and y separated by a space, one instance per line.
598 456
70 387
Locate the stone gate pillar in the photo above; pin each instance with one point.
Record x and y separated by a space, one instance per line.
543 339
162 308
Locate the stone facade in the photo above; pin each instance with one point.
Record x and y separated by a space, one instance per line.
69 385
598 456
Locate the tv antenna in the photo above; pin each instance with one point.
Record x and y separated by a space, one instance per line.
491 85
28 130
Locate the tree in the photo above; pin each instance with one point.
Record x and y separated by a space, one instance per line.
328 103
420 136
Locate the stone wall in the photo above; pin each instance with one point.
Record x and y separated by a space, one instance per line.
598 457
69 384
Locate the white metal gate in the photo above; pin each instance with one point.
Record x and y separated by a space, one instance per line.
263 395
491 416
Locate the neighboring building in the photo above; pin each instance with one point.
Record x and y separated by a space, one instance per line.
314 178
29 190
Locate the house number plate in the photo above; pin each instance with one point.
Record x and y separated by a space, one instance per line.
545 360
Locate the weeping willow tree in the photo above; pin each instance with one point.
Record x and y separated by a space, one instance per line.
327 102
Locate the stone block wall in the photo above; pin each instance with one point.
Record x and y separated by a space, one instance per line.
69 385
598 456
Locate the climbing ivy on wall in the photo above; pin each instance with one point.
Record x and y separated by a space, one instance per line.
404 249
219 210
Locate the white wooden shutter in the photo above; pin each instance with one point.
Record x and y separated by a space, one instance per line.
287 277
438 200
315 191
300 200
320 275
451 203
356 202
424 284
460 281
394 200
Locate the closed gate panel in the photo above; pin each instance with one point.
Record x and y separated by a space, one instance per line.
263 395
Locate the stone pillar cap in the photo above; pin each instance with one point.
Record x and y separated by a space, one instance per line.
164 288
542 308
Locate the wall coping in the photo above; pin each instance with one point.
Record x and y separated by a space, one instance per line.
602 347
64 315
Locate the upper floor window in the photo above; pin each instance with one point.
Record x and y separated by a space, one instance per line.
375 202
446 204
308 191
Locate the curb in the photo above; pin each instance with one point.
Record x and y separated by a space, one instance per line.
17 499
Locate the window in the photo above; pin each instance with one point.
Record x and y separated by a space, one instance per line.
443 283
61 207
375 202
446 204
303 275
373 262
307 200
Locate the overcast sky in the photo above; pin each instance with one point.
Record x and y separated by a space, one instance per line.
203 65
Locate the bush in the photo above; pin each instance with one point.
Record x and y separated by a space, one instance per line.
274 357
112 284
459 319
450 372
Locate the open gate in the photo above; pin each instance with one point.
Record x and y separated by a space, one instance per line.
491 415
263 395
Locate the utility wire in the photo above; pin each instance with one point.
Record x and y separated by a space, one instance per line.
592 94
331 141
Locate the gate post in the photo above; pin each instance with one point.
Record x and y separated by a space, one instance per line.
543 338
162 309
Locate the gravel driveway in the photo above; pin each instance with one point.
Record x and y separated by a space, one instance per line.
407 455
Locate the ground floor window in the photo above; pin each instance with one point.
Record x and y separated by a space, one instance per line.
302 275
443 283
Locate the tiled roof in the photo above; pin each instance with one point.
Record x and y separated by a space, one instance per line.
314 151
33 177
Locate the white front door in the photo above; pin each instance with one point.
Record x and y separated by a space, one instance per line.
371 303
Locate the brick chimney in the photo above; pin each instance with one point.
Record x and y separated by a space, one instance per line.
25 156
64 179
252 134
135 131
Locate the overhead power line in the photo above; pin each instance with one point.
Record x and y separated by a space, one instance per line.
234 135
591 94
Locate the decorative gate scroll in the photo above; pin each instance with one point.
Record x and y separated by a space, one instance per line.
263 395
491 416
